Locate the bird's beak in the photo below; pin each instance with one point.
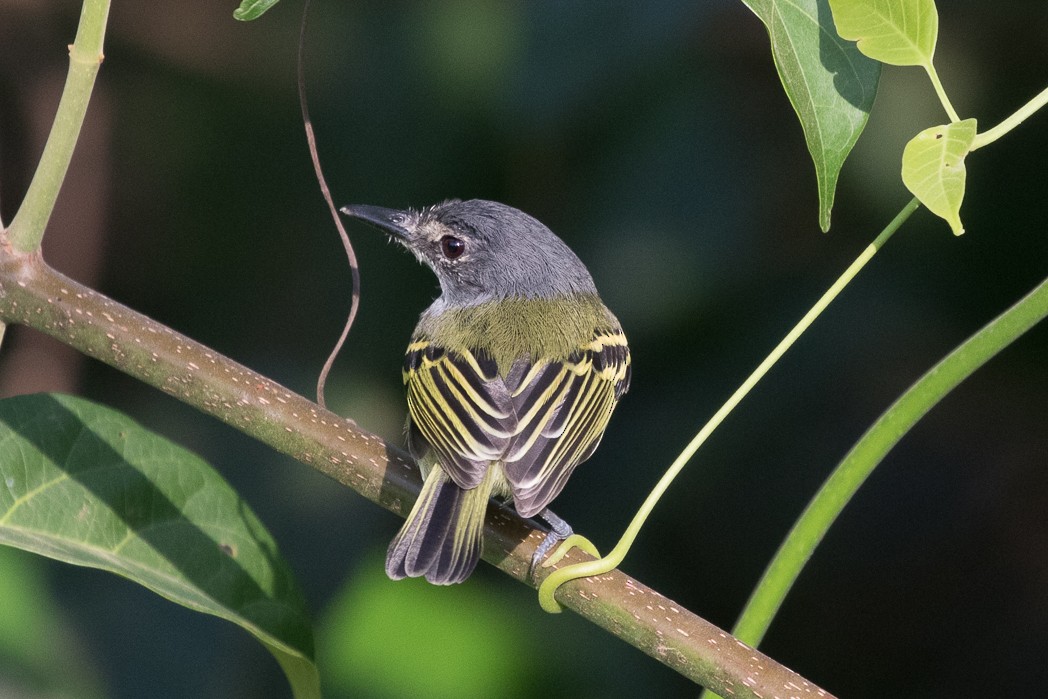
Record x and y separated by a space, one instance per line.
399 224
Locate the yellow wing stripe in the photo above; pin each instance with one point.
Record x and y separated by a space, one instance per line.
432 420
549 405
461 405
540 427
578 430
442 413
544 400
529 378
459 383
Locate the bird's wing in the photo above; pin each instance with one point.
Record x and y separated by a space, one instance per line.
540 420
562 409
459 407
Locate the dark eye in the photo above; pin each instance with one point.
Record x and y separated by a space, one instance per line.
452 247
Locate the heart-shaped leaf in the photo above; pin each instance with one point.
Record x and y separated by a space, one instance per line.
829 83
84 484
933 168
897 32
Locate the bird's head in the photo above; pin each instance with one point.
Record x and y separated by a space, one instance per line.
483 251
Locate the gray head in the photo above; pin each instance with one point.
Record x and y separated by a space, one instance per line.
482 250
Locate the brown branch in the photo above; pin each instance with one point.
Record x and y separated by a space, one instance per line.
33 294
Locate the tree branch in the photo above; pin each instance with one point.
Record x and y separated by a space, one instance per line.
33 294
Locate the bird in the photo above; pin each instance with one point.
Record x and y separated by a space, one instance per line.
511 376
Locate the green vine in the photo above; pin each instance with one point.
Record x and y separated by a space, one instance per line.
85 57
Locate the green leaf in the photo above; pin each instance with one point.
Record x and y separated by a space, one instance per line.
252 9
87 485
829 83
898 32
933 168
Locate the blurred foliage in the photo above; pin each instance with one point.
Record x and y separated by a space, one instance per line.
457 642
656 140
34 632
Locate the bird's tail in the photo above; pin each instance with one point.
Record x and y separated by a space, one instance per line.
441 538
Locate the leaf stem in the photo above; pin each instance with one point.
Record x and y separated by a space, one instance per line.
589 568
85 56
1020 115
871 449
941 92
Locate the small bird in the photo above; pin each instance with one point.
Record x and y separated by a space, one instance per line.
511 375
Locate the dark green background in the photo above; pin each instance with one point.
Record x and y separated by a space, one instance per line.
656 140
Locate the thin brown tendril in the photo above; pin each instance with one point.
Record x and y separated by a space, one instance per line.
352 256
